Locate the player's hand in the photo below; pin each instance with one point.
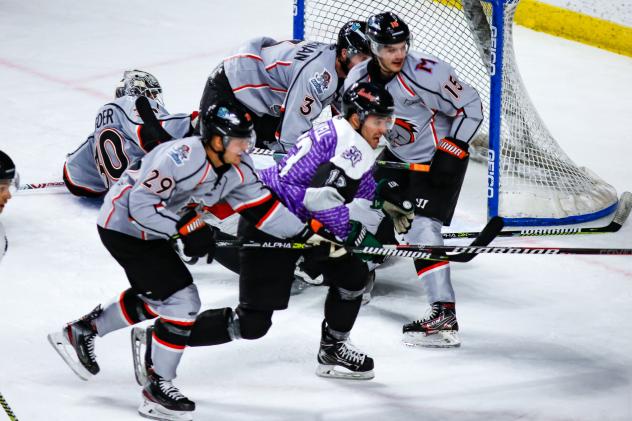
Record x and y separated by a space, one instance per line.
316 234
449 161
360 236
197 237
396 205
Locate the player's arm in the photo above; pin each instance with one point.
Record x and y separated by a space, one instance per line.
441 89
261 207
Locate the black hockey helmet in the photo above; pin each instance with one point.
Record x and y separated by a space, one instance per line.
8 173
352 36
228 121
386 29
139 83
366 98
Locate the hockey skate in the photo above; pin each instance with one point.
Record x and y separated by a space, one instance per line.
163 401
340 359
141 352
75 345
438 329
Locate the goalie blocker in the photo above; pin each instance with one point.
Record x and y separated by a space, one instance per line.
434 194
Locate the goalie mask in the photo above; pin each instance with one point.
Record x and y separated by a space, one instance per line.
140 83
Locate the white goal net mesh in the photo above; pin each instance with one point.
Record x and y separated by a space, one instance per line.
537 178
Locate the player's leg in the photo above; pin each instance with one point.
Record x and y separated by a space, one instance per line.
439 327
337 356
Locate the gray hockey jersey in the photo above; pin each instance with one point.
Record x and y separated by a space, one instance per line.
115 143
430 103
288 79
145 202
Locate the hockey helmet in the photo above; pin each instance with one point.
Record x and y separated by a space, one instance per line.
386 29
139 83
228 121
365 99
352 37
8 173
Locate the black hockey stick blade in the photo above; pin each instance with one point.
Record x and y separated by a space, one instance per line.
151 133
489 232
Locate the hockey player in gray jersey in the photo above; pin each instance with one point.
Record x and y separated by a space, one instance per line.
329 167
286 84
436 116
141 216
124 131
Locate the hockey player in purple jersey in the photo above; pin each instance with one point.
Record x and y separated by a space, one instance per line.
437 115
286 84
124 130
329 167
141 216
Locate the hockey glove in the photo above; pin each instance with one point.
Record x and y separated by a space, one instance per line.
316 234
359 236
390 197
197 237
449 162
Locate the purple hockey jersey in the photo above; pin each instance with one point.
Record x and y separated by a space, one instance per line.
329 166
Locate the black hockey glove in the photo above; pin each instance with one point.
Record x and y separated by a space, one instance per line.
316 234
197 237
391 199
359 236
449 162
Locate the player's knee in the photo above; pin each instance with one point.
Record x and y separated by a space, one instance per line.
253 324
349 295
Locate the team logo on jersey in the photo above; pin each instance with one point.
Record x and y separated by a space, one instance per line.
321 81
179 154
425 65
353 154
402 133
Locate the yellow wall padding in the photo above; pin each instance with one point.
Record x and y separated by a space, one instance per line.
575 26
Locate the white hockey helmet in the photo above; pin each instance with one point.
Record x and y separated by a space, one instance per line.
139 83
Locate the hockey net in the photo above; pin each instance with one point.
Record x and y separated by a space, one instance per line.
538 183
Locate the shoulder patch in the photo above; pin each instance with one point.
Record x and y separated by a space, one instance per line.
353 154
321 81
180 154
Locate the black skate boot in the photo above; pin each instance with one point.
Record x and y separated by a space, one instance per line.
141 352
163 401
338 358
438 329
75 344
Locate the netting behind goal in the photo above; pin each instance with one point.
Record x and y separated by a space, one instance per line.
531 180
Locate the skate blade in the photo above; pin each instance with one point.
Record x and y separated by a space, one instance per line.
60 343
154 411
337 372
139 341
441 339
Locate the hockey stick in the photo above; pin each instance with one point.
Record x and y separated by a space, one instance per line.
49 187
7 408
385 164
620 216
437 253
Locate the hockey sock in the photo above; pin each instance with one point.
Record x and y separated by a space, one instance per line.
125 310
341 308
211 327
